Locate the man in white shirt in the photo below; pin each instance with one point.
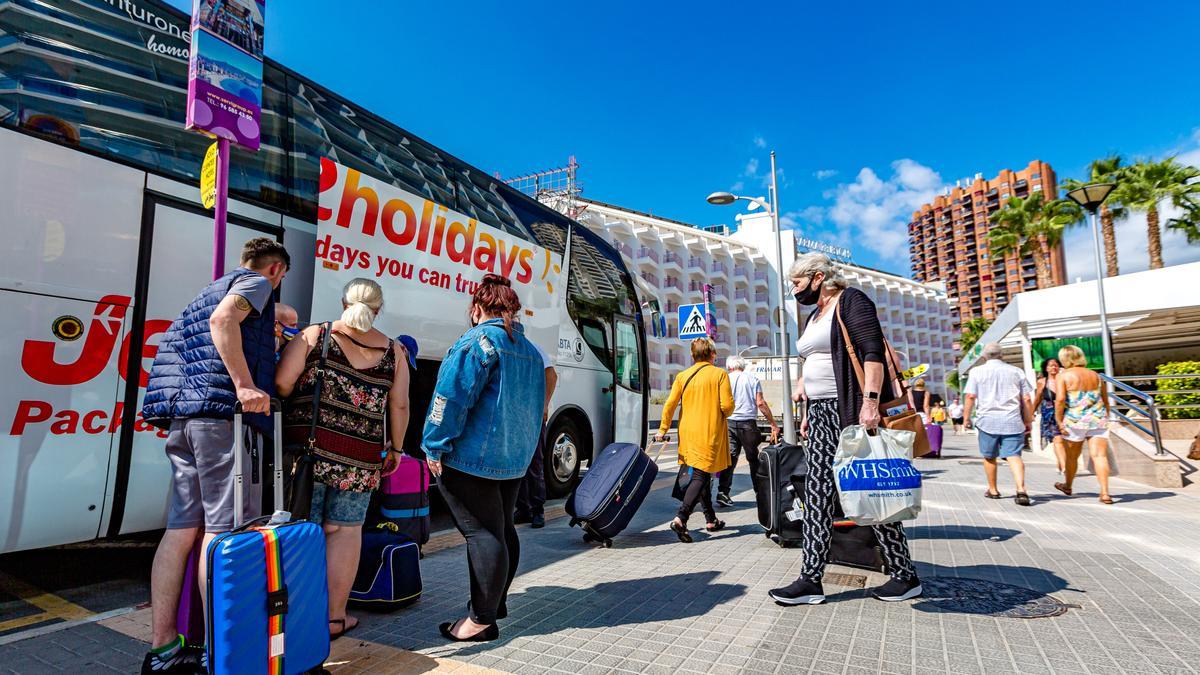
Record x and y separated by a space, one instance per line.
1000 395
748 401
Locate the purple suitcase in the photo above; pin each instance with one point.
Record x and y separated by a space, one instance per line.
934 432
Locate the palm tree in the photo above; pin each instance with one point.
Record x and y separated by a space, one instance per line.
1106 170
1147 184
1029 226
972 330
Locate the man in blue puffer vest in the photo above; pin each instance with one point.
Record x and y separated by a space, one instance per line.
221 350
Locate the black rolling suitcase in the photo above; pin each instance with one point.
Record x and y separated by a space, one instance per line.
781 467
610 493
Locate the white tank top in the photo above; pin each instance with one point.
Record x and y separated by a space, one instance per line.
815 348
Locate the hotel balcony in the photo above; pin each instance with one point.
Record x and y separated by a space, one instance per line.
743 321
763 341
719 268
696 286
760 278
672 286
761 297
741 273
675 357
696 265
741 297
650 278
626 249
648 257
672 259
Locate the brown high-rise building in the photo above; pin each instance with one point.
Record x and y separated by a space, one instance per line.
948 240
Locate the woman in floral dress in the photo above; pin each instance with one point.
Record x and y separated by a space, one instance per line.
364 393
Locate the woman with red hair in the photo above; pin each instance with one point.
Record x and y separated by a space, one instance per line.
479 435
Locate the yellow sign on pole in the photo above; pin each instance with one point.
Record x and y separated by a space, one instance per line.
915 371
208 178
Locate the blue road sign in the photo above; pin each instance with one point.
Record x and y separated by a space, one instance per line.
692 323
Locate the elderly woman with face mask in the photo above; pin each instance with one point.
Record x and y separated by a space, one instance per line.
834 399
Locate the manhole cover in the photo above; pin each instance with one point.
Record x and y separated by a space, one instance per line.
988 598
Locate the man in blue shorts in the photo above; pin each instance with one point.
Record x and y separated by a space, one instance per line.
1000 394
219 352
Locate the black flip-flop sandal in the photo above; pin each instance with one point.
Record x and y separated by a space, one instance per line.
681 532
715 526
992 495
333 636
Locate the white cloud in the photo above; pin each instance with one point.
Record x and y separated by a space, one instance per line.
760 142
873 212
825 173
751 170
738 186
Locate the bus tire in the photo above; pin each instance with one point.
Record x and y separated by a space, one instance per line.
565 451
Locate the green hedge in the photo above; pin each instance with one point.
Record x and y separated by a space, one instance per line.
1179 368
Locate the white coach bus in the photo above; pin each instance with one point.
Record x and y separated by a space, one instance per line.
105 242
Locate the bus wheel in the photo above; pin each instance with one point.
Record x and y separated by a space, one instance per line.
564 450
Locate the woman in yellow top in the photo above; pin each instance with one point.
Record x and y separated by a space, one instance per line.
706 401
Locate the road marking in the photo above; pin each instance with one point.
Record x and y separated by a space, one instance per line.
52 606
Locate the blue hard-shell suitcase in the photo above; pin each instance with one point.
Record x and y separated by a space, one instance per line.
611 492
389 570
242 566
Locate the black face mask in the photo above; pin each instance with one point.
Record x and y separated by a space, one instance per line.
810 295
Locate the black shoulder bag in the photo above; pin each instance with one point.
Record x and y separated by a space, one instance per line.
685 471
300 503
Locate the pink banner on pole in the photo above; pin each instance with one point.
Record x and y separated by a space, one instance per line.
225 70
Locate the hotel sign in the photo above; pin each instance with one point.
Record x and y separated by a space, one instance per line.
811 245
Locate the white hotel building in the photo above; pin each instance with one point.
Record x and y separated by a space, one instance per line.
676 259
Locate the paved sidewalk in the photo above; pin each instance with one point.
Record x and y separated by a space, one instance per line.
1128 573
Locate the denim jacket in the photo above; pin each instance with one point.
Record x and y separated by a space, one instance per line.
486 412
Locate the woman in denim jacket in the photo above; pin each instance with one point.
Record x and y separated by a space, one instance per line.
480 433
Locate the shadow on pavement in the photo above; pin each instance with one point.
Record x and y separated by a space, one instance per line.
965 532
545 610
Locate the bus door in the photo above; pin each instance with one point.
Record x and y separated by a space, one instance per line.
629 383
180 264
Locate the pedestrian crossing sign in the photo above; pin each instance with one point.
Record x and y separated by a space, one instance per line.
692 322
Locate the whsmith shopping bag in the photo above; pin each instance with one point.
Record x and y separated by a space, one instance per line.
876 480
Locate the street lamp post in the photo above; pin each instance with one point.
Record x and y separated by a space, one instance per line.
1090 197
725 198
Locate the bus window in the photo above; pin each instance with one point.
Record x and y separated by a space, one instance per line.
628 365
596 336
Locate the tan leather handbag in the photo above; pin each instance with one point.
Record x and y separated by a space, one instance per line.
906 418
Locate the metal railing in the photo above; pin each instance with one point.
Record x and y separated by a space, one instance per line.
1151 409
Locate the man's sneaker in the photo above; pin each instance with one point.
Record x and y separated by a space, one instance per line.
723 499
537 522
188 660
895 590
799 592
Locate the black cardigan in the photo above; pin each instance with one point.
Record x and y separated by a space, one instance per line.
859 314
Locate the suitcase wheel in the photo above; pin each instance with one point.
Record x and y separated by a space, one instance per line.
608 543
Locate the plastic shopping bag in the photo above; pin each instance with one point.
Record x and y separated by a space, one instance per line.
876 480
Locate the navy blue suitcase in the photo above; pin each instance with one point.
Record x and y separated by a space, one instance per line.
611 492
268 602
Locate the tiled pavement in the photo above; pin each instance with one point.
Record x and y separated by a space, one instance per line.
1130 572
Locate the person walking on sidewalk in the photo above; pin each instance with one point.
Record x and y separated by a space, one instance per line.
706 401
363 391
835 401
219 352
1001 395
531 498
1082 412
1047 389
479 434
956 415
919 398
744 435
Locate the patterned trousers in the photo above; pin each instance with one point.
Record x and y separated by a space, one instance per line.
820 495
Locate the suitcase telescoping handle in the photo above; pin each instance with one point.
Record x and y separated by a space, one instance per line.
239 440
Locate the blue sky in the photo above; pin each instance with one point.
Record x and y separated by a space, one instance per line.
871 110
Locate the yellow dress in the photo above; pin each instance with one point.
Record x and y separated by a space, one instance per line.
703 430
